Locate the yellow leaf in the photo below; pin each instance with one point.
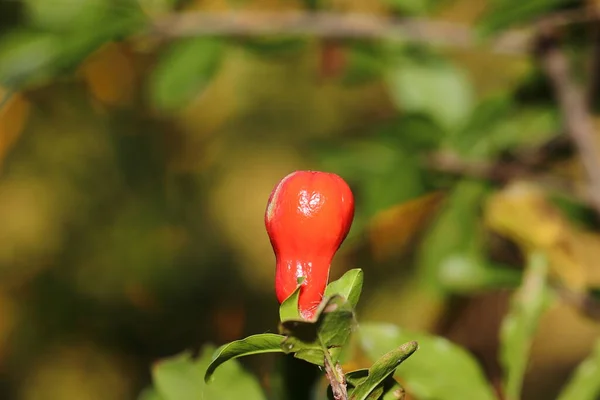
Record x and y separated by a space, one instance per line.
110 75
522 213
13 116
390 231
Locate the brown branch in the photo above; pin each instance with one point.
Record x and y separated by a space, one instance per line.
573 104
355 25
504 172
336 26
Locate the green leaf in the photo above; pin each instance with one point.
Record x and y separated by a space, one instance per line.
388 390
289 308
314 356
178 378
497 125
33 57
356 377
349 286
505 13
392 390
182 73
181 378
410 7
441 370
256 344
585 382
159 6
470 272
274 46
382 369
365 63
435 88
311 5
519 326
150 394
331 330
70 15
27 54
451 259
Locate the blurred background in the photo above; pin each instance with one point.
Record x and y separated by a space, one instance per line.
140 140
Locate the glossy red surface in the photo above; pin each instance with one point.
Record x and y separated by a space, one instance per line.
308 216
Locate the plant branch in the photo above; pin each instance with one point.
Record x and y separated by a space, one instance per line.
357 26
503 172
573 104
335 375
333 25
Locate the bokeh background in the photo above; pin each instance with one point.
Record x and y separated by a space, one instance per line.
140 140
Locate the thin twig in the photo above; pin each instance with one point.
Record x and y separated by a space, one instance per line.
573 104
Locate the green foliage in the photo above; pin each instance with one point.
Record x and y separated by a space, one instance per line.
383 368
56 43
106 211
184 71
376 166
497 125
289 307
256 344
453 259
28 55
331 329
389 389
506 13
349 286
585 382
457 375
410 7
182 378
431 86
72 15
365 63
519 326
150 394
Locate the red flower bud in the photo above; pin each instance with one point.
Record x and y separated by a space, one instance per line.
308 216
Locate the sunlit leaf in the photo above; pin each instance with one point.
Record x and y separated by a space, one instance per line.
150 394
585 381
440 370
179 378
521 213
69 15
389 389
519 326
182 378
384 367
435 88
348 286
289 308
